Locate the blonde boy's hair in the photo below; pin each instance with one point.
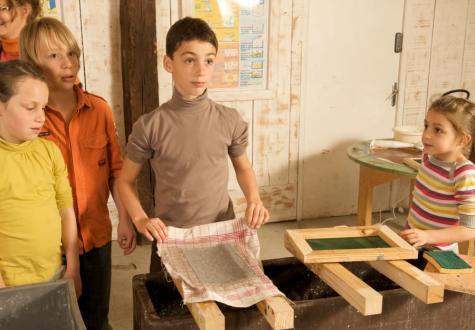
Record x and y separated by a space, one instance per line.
48 30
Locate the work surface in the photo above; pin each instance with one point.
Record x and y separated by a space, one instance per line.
383 159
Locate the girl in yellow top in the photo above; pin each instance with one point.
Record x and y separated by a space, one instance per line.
36 214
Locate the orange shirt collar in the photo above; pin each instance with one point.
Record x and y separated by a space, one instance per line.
9 50
10 46
83 101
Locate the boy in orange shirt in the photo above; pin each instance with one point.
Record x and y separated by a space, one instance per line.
81 124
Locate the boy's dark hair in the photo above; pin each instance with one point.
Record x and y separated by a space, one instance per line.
187 29
14 71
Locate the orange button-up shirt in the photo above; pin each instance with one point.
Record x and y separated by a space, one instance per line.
92 154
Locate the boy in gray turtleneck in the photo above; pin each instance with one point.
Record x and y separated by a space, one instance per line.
187 141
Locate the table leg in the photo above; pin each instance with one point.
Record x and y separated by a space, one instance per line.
467 248
369 179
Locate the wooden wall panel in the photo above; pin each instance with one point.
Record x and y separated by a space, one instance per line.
448 43
415 61
139 73
468 71
438 54
101 52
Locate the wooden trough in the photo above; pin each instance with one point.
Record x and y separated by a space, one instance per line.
158 305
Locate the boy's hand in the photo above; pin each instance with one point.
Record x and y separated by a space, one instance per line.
256 215
415 237
126 236
2 283
152 228
74 275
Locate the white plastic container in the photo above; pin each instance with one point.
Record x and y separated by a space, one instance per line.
411 134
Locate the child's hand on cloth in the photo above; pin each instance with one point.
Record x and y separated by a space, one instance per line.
256 214
126 236
152 228
415 237
73 274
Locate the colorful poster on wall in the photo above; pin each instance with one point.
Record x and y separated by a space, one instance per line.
241 28
50 8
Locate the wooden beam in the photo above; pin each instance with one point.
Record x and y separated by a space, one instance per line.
278 312
139 77
207 314
412 279
356 292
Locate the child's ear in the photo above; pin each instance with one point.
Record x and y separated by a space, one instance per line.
26 9
465 139
167 64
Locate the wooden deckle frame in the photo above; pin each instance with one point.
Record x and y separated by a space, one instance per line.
295 242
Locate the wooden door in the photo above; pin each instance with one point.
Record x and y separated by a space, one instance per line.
349 69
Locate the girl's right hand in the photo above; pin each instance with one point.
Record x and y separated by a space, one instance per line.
152 229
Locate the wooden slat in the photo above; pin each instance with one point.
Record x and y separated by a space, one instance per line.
326 256
294 241
361 296
412 279
335 232
278 312
392 238
207 314
296 245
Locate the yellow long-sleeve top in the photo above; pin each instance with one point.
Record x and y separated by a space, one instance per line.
34 187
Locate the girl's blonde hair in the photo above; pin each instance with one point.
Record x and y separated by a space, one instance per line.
45 30
460 113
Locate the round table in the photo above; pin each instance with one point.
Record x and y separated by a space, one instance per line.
378 166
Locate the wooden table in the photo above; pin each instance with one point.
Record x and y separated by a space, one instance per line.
378 166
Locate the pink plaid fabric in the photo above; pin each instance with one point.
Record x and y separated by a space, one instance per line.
243 292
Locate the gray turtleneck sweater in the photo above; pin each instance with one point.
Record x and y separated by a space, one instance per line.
188 143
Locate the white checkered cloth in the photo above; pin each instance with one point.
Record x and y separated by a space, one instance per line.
233 236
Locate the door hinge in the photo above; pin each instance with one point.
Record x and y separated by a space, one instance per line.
394 94
398 42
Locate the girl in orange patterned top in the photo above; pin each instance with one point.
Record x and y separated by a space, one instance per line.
14 15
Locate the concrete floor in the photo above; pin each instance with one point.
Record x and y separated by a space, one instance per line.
271 238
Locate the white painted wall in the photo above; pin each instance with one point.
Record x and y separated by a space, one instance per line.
349 67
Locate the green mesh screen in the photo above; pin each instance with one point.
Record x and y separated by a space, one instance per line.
342 243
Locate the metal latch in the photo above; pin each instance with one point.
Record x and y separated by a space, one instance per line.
398 42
